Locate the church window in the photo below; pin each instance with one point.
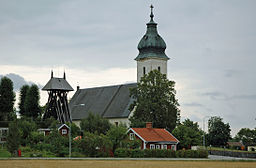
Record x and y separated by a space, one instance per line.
159 69
144 70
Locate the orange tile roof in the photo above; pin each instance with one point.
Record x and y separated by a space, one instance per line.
155 134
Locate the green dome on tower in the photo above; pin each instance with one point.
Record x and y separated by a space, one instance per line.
151 45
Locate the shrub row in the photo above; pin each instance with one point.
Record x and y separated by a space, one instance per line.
147 153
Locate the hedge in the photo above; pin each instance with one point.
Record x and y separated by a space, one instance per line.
158 153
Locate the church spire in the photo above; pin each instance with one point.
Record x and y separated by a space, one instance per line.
151 50
151 45
151 14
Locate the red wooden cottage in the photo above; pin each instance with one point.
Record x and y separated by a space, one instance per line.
63 130
153 138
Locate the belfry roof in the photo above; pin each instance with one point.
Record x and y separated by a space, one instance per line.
57 84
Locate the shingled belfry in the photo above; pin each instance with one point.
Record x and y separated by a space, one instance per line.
57 105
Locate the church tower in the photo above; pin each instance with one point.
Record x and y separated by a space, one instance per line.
151 51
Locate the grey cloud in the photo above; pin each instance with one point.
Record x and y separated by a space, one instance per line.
193 104
18 81
230 73
216 95
245 96
222 96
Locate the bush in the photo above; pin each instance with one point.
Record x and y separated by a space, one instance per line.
137 153
203 153
122 152
147 153
94 145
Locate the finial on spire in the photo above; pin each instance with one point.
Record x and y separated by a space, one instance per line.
64 76
52 74
151 14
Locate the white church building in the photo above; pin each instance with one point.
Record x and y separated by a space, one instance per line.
112 102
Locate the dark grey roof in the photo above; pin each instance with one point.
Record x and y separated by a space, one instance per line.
107 101
57 84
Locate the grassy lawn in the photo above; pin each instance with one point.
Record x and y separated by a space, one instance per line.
125 164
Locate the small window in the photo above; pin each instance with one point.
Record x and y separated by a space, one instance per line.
152 146
116 123
173 147
131 136
144 70
159 69
157 146
64 131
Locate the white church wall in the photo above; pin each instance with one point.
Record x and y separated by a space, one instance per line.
150 64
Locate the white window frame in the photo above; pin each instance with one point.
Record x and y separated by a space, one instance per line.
64 131
164 146
152 146
132 135
157 146
173 147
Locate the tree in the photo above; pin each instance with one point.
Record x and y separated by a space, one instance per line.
94 145
26 127
23 93
247 136
117 134
188 133
218 132
13 138
95 124
31 105
7 99
155 102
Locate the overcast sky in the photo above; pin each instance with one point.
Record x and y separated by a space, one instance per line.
211 45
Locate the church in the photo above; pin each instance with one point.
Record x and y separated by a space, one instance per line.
112 102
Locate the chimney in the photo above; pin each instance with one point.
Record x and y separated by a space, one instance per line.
148 124
78 87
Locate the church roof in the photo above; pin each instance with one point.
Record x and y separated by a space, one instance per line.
107 101
57 84
152 44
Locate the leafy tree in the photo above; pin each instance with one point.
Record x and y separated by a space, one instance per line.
117 135
23 93
188 133
58 144
13 138
31 105
218 132
26 127
75 130
7 99
155 102
94 145
95 124
247 136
